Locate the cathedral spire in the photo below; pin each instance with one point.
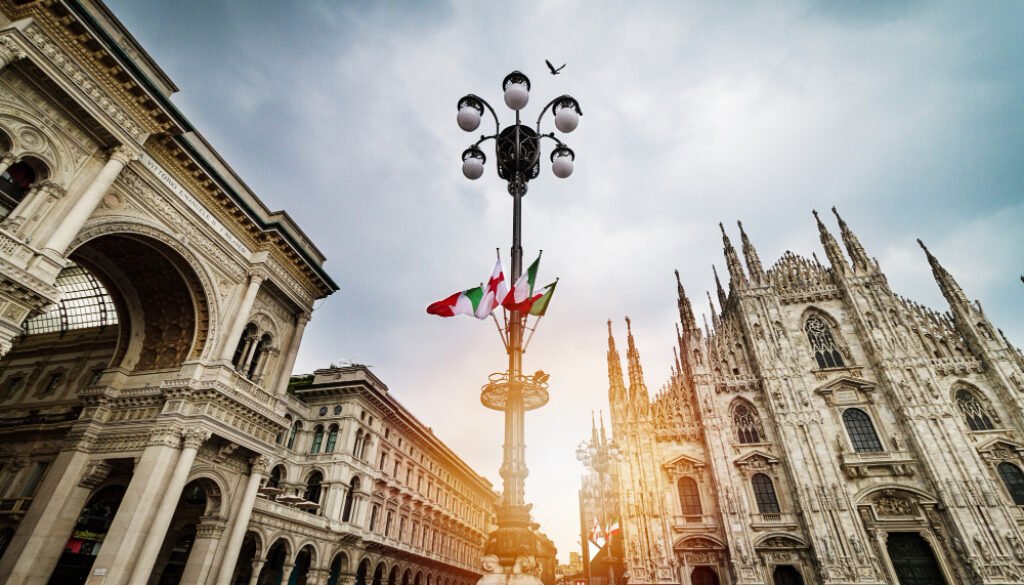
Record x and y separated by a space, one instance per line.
737 279
637 388
835 255
718 287
750 254
685 308
858 256
616 385
950 289
715 319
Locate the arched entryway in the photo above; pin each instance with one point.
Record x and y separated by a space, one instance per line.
246 556
90 531
273 570
704 576
786 575
378 574
362 571
913 559
303 561
200 498
339 564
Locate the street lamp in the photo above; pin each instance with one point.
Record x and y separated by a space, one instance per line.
517 154
598 454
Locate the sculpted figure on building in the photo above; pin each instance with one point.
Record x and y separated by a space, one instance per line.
824 429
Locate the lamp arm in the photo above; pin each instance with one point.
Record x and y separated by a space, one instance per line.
551 135
497 126
551 103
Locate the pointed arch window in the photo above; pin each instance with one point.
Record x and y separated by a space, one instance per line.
976 414
826 352
746 424
764 494
1013 479
332 439
689 497
318 439
862 431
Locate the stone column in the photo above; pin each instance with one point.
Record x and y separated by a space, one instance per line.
234 543
194 438
138 507
293 351
228 344
286 572
257 566
9 53
6 161
41 535
88 200
204 549
40 195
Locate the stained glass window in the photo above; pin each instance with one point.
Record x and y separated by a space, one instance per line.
977 416
764 494
746 424
826 353
689 497
1013 479
862 432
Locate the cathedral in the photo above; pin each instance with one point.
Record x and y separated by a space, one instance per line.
823 429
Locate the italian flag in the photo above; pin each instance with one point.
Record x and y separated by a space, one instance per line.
477 302
522 291
614 528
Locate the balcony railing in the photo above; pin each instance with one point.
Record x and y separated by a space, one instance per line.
15 505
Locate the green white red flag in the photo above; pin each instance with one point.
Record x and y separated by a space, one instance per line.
539 302
522 291
477 302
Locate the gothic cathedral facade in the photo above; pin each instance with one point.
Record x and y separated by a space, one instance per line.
824 430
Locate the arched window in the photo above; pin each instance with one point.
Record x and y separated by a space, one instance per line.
248 337
318 439
367 441
14 185
826 352
332 439
259 355
313 487
357 447
689 497
746 424
862 432
346 511
764 494
276 474
295 431
977 416
1013 479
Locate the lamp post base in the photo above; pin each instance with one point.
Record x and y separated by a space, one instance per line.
525 571
513 539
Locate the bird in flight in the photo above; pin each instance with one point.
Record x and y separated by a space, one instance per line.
554 71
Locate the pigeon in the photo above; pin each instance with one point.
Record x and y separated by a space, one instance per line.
554 71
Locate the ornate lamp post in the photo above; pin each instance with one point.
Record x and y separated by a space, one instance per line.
597 455
518 153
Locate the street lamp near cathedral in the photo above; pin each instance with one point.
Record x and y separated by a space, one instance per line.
598 454
517 153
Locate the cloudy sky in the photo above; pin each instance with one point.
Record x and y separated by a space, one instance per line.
907 116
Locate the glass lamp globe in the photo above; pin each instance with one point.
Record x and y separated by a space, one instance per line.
562 166
566 120
516 96
469 118
473 168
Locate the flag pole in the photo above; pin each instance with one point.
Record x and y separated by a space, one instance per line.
501 332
